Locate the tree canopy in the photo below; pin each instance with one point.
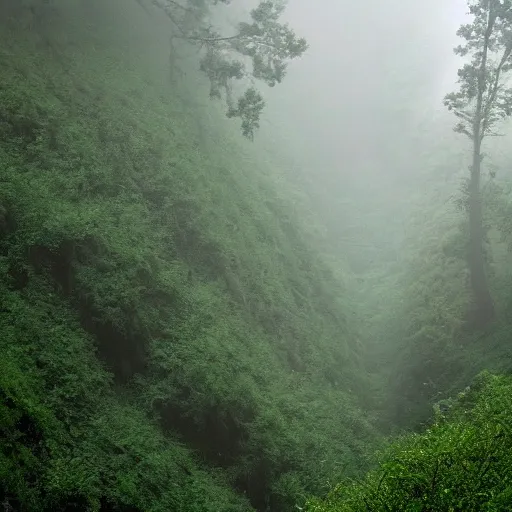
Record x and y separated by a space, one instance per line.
484 98
256 50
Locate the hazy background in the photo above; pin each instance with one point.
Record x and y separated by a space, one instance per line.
362 114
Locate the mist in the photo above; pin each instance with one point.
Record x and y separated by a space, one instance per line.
226 288
378 68
363 109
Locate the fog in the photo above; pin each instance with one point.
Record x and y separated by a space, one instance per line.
363 110
204 309
370 67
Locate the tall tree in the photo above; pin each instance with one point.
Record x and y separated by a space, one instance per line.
258 49
483 99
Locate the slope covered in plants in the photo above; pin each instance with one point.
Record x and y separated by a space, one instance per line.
170 338
461 462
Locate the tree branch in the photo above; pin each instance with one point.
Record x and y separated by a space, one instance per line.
494 89
477 123
211 39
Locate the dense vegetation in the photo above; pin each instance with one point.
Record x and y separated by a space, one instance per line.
461 463
177 330
431 349
170 340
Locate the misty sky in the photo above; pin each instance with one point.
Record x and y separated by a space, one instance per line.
376 58
364 105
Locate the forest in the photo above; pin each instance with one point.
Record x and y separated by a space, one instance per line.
255 256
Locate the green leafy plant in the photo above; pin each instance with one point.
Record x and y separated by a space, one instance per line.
264 43
461 462
482 101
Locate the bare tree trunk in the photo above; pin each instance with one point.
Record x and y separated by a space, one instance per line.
483 306
483 311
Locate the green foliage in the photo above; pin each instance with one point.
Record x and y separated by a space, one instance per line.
66 438
461 463
249 109
483 99
434 300
482 81
420 349
265 42
182 344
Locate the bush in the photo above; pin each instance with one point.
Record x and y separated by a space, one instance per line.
462 463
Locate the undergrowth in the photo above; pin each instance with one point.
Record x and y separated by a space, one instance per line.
172 339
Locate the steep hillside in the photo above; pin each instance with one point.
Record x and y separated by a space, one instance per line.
420 342
170 340
462 462
455 453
